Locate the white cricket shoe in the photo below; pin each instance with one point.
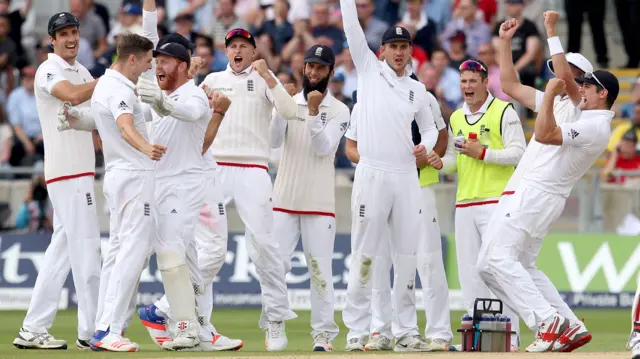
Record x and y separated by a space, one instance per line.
635 351
322 342
356 344
211 341
548 333
573 338
187 336
275 336
83 344
439 345
115 343
378 342
412 343
30 340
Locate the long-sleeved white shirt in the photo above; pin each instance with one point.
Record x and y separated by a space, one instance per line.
310 144
388 104
512 139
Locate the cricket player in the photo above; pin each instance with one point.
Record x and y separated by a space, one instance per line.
69 173
438 328
634 338
538 201
565 111
484 166
386 190
242 151
129 185
311 140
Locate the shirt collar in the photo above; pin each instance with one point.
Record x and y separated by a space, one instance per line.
300 100
407 70
117 75
597 115
483 109
65 65
246 71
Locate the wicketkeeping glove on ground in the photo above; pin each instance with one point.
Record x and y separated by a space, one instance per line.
151 93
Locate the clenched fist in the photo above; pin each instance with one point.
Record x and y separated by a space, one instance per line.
220 102
291 89
419 151
261 67
508 29
196 64
313 102
155 152
434 160
555 86
550 19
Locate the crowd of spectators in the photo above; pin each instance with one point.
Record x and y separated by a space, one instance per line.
445 33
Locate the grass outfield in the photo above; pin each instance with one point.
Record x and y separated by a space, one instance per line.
610 330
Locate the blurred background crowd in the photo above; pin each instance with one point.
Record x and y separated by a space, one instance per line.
445 33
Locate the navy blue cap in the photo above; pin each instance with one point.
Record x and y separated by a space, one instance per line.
173 49
396 33
604 79
320 54
177 38
61 20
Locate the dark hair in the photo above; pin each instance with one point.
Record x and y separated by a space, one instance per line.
208 40
132 44
440 49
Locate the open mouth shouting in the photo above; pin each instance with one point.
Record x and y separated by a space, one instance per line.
162 77
237 60
469 94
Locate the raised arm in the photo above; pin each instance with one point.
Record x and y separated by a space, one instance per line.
546 130
150 21
325 139
508 76
277 94
560 63
219 104
362 56
212 131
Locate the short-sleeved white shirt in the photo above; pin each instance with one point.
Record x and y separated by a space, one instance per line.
556 169
67 154
114 96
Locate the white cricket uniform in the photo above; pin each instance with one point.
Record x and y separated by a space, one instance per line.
564 112
242 150
430 264
69 169
472 217
386 190
634 337
129 185
538 202
304 197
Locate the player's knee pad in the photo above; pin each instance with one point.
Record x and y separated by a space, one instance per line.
170 260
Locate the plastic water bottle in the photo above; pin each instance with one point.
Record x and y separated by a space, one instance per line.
486 323
467 337
508 336
500 338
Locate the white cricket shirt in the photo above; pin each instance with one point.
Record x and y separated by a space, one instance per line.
114 96
243 136
305 183
388 105
564 112
556 169
68 154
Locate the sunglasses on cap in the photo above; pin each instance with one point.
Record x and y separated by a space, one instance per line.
471 65
238 32
592 76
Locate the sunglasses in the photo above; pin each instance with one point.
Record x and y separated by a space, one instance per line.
592 76
238 32
471 65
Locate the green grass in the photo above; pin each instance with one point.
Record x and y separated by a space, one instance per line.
610 330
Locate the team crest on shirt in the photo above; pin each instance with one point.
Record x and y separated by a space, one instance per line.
323 118
411 96
89 199
250 85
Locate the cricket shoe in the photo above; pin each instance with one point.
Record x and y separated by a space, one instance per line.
412 343
439 345
275 336
635 351
212 341
187 336
114 343
548 333
356 344
573 338
83 344
322 342
98 336
378 342
30 340
155 324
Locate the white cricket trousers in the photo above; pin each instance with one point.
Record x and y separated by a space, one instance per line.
512 238
471 223
634 338
318 234
130 196
382 199
528 258
250 188
75 246
432 276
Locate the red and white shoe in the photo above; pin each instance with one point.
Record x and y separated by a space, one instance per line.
212 341
573 338
115 343
548 333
